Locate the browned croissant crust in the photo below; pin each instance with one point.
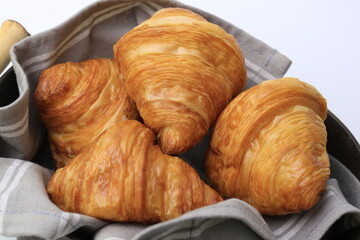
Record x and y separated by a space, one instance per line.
123 176
268 147
181 71
79 100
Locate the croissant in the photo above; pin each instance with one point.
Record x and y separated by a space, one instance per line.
79 100
123 176
268 147
181 71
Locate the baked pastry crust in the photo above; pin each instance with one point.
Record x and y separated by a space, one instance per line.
123 176
181 71
268 147
77 101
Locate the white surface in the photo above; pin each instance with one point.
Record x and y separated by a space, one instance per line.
321 38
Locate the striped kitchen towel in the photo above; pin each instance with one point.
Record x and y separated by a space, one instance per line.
27 212
25 162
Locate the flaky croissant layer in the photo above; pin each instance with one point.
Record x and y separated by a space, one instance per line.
77 101
123 176
181 71
268 147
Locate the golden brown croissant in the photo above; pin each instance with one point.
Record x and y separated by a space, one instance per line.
181 71
268 147
123 176
79 100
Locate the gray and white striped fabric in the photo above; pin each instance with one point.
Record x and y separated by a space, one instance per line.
25 163
27 212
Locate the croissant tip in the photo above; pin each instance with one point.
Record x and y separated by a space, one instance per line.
171 141
213 197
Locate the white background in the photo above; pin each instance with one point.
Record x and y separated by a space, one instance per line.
321 38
